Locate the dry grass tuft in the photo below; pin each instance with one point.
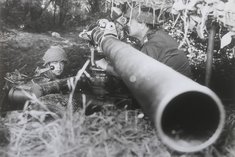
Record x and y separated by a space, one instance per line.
40 132
112 132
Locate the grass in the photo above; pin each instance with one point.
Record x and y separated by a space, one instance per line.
37 131
113 132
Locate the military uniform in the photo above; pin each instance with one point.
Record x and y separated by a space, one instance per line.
162 47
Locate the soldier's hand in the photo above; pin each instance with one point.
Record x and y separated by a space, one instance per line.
102 63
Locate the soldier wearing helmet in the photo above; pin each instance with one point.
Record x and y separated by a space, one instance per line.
120 21
54 61
155 43
142 24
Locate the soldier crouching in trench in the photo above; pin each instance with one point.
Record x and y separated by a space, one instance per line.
52 89
44 85
55 60
142 25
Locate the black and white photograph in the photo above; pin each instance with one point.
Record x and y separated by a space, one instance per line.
117 78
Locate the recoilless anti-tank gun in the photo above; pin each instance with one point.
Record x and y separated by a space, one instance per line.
188 116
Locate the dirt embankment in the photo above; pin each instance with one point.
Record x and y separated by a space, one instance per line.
23 51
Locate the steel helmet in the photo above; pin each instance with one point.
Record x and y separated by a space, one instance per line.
115 13
53 54
143 15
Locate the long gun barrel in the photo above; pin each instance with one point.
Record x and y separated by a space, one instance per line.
188 116
17 95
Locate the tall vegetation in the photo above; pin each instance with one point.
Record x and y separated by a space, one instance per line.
42 15
190 23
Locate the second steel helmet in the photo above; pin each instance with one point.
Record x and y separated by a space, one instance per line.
143 15
53 54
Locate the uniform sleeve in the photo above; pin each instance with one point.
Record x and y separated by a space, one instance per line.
152 51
